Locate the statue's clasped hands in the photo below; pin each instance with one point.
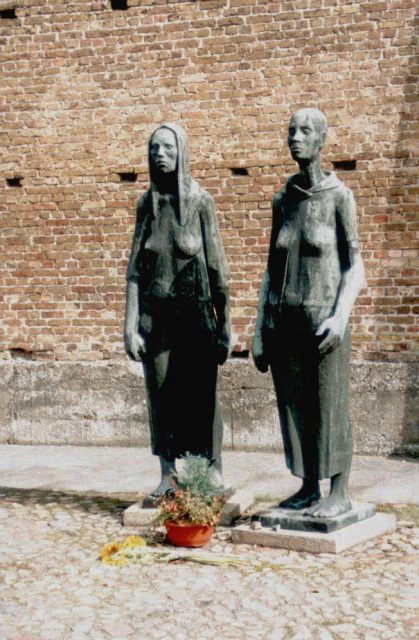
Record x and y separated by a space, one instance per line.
333 330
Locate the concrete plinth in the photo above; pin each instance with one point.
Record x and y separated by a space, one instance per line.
138 516
315 542
297 521
239 502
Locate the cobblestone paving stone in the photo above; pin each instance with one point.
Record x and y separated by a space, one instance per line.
53 586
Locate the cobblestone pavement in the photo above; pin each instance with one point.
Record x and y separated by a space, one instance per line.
53 587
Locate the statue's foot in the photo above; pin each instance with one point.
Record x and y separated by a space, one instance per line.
167 484
330 507
221 489
302 499
225 492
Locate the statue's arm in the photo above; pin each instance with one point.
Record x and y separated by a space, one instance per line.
260 357
352 276
218 275
133 342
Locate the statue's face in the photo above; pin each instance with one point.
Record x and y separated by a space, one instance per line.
163 150
304 139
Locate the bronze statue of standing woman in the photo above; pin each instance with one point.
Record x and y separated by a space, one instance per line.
313 276
177 313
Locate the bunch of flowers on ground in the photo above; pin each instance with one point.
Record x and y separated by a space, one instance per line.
115 552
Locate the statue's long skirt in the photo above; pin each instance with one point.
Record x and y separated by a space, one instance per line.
312 395
180 370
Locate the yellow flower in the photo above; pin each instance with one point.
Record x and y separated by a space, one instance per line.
108 553
133 541
118 561
109 550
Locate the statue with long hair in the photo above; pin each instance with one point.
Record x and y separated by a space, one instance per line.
177 311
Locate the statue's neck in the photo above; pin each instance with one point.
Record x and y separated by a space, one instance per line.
167 183
310 173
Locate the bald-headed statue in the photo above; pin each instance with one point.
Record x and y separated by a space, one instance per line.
313 276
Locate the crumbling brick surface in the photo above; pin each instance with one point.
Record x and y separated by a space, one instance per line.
81 88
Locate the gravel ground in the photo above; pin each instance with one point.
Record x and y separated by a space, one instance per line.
54 587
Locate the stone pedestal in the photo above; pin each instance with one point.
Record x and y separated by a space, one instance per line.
297 521
139 516
300 538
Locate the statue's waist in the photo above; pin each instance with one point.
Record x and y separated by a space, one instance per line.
293 299
308 313
159 304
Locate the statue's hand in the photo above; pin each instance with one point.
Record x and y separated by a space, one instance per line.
134 345
258 353
223 345
333 330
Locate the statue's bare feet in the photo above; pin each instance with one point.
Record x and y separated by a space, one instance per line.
221 488
167 483
304 498
330 507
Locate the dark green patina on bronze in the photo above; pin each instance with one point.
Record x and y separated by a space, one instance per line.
177 313
313 276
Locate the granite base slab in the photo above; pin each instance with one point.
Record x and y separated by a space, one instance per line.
235 506
297 521
313 541
139 516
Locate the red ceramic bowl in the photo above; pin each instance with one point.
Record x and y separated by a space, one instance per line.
189 536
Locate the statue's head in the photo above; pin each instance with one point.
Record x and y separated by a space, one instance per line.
168 156
307 134
163 151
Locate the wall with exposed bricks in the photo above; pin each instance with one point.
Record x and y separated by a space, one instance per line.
82 85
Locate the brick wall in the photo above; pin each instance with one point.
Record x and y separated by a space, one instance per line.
81 88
